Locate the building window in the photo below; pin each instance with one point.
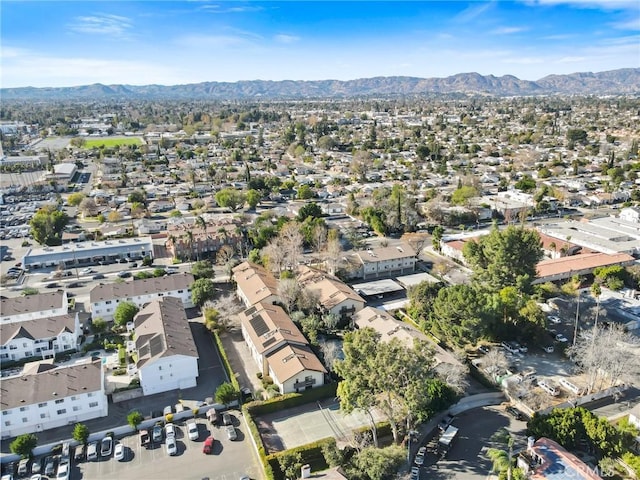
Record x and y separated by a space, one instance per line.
74 398
180 291
76 408
42 405
62 411
5 412
25 419
24 409
91 394
60 400
7 423
108 302
159 367
43 415
93 404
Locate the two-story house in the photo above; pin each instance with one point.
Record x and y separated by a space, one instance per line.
279 348
32 307
105 298
385 262
48 396
40 338
333 295
254 284
166 353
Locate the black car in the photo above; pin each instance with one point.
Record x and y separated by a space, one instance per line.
52 285
515 413
98 276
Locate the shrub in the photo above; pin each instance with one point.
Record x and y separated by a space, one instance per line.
259 375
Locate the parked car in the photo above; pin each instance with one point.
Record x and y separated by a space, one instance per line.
415 473
171 445
23 467
554 319
78 454
106 446
37 476
548 348
124 274
36 467
118 452
63 471
561 338
484 349
207 447
226 419
86 271
231 432
192 429
49 466
157 433
170 430
98 276
212 416
419 460
515 413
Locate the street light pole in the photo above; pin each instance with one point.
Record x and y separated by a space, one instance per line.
575 328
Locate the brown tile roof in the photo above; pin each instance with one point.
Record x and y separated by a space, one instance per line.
146 286
162 330
548 268
255 282
42 328
330 290
292 360
269 325
387 326
50 383
31 303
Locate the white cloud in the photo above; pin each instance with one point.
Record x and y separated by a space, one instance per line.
596 4
236 9
630 24
571 60
12 52
212 41
282 38
472 12
507 30
102 24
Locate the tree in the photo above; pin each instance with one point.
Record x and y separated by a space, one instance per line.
75 198
124 313
226 394
462 195
134 419
137 197
505 258
23 445
311 209
88 206
305 192
203 269
230 198
436 237
459 314
202 290
290 239
81 433
290 464
114 216
380 463
289 290
47 225
253 198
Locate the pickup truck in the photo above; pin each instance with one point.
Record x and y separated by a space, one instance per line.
145 440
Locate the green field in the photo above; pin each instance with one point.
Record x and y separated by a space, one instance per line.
111 142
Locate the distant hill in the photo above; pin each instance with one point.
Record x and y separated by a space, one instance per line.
623 81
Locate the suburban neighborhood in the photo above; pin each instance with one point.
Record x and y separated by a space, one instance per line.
361 288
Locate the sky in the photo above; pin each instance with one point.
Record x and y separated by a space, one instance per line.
56 44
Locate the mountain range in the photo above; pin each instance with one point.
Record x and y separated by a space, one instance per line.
613 82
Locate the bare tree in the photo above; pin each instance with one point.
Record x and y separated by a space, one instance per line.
274 255
88 206
291 241
289 290
331 352
495 360
606 356
454 375
319 237
334 251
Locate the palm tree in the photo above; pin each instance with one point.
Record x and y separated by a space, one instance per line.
502 458
189 235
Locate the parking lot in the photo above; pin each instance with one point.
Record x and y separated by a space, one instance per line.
229 460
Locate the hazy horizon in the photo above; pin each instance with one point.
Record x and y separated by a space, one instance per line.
185 42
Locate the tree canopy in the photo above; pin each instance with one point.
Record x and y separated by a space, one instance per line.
47 225
505 258
225 393
80 433
23 445
203 269
125 311
202 290
230 198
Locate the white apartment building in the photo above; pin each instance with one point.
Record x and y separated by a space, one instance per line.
105 298
32 307
46 396
39 339
386 262
167 353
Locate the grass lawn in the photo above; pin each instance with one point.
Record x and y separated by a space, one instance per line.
111 142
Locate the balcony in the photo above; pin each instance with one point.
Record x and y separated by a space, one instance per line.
304 384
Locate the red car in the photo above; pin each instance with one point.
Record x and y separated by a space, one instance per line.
208 445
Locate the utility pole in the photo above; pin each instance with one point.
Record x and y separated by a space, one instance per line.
575 328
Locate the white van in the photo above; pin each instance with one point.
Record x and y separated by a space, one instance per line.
570 387
511 347
549 388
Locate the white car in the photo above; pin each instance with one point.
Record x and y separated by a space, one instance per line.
86 271
172 447
192 429
231 432
63 471
554 319
170 430
561 338
420 455
118 452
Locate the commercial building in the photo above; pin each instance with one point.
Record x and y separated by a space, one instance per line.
584 264
104 298
48 396
88 253
167 357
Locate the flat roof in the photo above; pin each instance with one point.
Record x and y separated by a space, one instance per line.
606 235
88 249
415 279
377 287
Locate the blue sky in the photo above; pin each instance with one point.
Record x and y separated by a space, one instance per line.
52 43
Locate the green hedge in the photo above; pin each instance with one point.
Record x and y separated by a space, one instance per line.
253 430
291 400
383 430
311 454
225 360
